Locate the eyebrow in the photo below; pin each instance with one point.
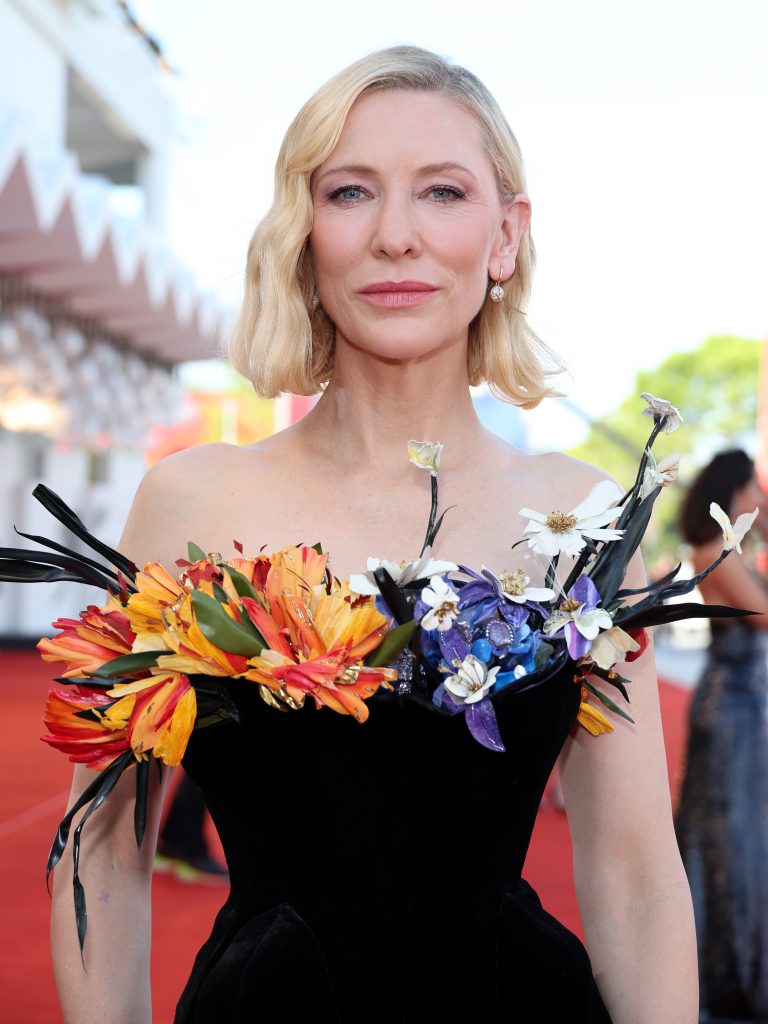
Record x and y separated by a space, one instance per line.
364 169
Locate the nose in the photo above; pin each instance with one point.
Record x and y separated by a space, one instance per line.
395 231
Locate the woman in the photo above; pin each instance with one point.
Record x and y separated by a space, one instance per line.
722 820
376 871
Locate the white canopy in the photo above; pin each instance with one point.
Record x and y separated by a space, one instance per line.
59 233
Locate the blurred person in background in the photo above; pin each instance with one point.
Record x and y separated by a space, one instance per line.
722 819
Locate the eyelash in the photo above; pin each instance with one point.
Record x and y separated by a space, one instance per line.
455 193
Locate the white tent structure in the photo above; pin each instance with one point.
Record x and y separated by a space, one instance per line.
60 237
95 310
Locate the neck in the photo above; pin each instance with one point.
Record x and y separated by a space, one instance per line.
372 407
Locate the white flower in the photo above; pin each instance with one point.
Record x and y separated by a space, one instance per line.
567 531
658 407
733 533
425 454
402 573
588 623
472 681
659 474
611 646
512 584
442 601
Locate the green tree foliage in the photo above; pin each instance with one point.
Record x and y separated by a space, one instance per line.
715 387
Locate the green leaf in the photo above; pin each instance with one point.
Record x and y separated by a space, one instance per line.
222 630
194 552
126 664
318 548
608 702
393 643
242 584
220 593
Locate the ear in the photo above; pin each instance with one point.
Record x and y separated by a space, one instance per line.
515 222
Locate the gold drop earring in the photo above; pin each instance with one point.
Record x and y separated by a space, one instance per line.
497 292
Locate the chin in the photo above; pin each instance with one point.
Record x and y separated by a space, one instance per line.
398 342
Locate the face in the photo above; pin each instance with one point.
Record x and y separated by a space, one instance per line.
747 498
408 225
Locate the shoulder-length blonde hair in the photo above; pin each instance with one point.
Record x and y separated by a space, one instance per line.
279 342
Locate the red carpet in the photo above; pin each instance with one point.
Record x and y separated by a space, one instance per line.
35 786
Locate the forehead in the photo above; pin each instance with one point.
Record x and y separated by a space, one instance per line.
409 127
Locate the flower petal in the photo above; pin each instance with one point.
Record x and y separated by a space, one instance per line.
591 622
481 720
742 526
529 513
578 645
360 584
603 494
594 721
425 454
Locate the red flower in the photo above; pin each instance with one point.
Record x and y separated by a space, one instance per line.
94 739
641 637
85 644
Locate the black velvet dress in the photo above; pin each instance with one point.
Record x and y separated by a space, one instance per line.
376 868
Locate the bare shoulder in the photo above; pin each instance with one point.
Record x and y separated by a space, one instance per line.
572 475
550 480
181 497
175 494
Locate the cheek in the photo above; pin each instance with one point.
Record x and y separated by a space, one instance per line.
464 251
336 248
463 244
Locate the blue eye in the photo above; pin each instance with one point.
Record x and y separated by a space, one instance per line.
347 193
446 193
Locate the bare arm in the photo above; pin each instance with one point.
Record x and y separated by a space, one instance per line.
733 584
111 982
630 881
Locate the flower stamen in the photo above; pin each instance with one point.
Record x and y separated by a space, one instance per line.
513 582
560 522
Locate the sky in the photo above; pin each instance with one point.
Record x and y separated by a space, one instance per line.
643 128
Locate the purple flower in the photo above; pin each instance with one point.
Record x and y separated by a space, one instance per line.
579 618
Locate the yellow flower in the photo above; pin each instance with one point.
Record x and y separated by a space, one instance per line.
160 715
157 590
594 721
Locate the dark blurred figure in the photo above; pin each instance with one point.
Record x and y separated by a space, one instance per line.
722 820
181 846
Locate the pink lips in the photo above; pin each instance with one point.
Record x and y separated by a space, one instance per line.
397 294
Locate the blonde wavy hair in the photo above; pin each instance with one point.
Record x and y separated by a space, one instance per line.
279 342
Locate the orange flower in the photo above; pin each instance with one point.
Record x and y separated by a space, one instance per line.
96 739
316 640
193 651
152 715
157 590
162 715
85 644
594 721
294 571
